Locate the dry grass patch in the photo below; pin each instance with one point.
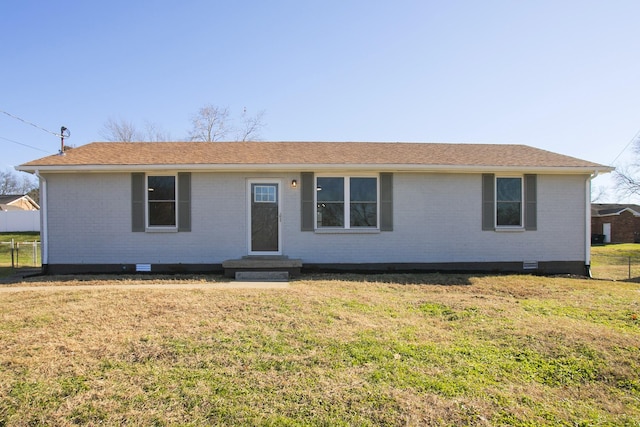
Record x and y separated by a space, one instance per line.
345 350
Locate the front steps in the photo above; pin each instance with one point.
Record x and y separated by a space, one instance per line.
262 268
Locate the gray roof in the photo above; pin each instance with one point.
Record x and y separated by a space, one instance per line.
608 209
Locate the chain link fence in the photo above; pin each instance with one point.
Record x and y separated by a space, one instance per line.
16 254
615 267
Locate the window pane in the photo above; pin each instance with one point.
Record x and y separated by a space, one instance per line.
363 211
162 200
509 189
508 213
264 193
509 201
162 188
363 189
330 214
162 213
363 214
330 189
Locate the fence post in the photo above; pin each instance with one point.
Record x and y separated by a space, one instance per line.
629 268
35 254
11 250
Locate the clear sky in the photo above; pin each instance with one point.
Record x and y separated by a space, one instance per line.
561 75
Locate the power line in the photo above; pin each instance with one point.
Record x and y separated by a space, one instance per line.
24 145
59 135
636 136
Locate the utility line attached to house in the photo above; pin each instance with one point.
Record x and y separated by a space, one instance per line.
59 135
64 132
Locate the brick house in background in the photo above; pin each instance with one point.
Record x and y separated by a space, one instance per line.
618 223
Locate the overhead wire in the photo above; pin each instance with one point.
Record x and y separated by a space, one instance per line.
24 145
59 135
635 137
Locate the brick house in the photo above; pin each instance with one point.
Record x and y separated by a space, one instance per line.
323 206
618 223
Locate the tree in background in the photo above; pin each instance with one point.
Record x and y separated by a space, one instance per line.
628 178
250 127
211 123
122 130
16 183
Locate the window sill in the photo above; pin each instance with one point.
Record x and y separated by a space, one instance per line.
509 229
347 231
161 230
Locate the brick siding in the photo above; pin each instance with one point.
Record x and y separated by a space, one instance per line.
625 228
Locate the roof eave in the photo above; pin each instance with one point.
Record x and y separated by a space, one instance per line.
317 168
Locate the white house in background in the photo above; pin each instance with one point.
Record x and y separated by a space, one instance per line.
17 202
18 212
353 206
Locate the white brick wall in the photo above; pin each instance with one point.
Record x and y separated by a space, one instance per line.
436 219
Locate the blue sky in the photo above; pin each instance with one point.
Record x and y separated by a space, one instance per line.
559 75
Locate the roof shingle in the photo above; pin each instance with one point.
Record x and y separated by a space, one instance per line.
308 153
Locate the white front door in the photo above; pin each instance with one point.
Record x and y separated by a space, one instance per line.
264 217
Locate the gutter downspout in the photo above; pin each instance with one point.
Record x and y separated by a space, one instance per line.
44 222
587 224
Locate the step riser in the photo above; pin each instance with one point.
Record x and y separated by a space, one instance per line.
264 276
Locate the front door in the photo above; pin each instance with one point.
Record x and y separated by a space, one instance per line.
264 217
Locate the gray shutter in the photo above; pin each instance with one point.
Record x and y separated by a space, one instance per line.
308 200
386 202
488 202
184 201
137 202
530 202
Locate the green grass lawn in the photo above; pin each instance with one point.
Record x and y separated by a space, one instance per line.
330 350
616 261
24 258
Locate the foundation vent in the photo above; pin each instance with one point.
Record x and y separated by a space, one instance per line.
530 265
143 267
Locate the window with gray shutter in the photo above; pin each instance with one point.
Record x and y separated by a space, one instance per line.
530 202
137 202
307 198
488 202
386 202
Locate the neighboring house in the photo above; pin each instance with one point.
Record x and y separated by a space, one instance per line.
18 213
17 202
615 223
200 207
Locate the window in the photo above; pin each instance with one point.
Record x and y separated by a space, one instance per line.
508 202
161 199
347 202
142 218
264 194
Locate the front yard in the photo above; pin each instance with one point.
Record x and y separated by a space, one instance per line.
342 350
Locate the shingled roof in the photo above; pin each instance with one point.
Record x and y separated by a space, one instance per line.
308 155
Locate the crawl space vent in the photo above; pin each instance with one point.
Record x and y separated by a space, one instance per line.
143 267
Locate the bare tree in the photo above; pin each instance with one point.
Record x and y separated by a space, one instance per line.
210 124
251 126
16 182
155 133
598 194
120 130
627 177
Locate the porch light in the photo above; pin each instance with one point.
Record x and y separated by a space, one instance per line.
294 183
